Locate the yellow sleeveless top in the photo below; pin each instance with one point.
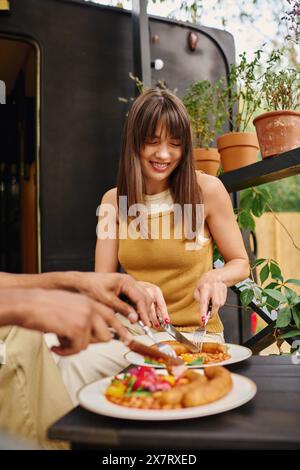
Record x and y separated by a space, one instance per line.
168 264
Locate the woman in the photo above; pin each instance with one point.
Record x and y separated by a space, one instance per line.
157 183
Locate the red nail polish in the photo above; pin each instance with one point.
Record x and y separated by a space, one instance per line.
166 321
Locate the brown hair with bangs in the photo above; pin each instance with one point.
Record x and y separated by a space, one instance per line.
148 110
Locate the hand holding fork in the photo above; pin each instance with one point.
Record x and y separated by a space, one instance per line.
200 332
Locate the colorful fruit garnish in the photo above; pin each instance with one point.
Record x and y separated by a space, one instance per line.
140 380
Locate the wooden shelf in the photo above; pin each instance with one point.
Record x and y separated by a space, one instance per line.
270 169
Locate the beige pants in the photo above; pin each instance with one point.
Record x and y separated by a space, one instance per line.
105 359
32 394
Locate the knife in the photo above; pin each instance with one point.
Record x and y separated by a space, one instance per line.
165 348
171 330
174 365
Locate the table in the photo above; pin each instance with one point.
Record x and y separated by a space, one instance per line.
271 420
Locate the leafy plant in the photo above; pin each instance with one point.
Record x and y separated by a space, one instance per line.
275 293
284 194
253 203
281 89
203 103
293 18
241 96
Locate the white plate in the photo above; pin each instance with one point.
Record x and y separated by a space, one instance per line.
238 353
92 398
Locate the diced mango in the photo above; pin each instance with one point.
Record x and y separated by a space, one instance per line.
117 390
170 379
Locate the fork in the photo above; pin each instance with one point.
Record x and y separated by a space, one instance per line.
164 348
200 332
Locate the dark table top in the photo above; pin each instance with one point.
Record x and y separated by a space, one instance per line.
271 420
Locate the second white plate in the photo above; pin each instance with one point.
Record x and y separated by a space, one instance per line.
92 397
238 353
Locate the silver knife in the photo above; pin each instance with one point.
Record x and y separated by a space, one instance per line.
171 330
165 348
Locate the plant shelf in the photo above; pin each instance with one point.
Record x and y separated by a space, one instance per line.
270 169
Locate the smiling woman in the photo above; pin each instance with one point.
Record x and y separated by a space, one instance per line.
160 155
157 151
156 165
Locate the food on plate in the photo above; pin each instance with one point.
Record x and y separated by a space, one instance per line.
174 365
211 353
142 387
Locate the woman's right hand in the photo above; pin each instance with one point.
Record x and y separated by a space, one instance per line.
158 309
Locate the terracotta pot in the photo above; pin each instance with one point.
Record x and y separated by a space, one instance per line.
207 160
237 149
277 132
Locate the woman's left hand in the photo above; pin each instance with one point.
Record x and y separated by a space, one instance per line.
210 288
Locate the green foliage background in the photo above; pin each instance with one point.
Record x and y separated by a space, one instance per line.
285 194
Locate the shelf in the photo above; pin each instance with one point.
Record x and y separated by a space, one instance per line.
270 169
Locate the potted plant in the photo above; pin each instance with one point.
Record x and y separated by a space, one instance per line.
202 101
278 129
240 98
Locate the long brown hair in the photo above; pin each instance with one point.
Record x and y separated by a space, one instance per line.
150 108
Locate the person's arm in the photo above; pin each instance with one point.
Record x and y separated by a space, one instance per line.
76 319
53 280
221 222
104 288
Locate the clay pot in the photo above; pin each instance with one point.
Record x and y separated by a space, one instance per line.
277 132
237 149
207 160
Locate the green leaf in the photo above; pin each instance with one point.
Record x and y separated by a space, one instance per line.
258 206
274 261
275 270
272 285
295 282
264 273
246 297
130 384
247 199
290 334
246 221
272 303
296 317
265 193
258 262
196 362
275 294
291 295
295 302
284 317
277 278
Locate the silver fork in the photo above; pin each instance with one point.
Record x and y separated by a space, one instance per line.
199 333
164 348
